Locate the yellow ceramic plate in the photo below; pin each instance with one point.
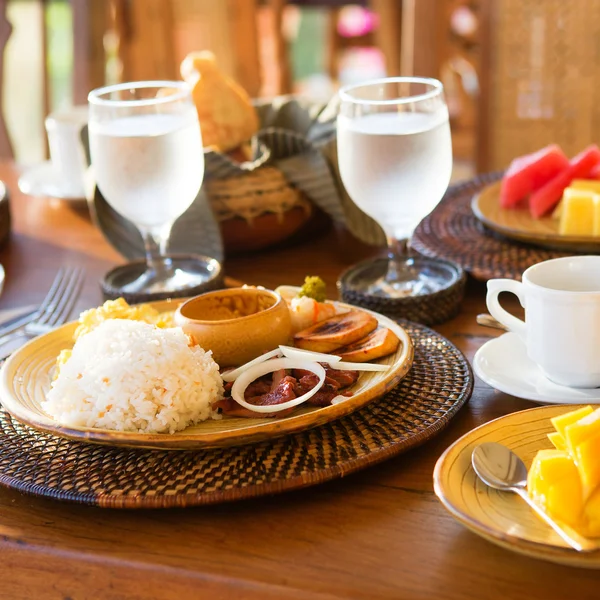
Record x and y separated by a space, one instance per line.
500 517
26 375
518 224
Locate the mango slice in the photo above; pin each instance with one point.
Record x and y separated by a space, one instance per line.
554 483
557 440
587 457
560 423
590 521
581 430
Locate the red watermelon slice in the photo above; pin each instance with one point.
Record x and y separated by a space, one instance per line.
548 196
595 172
529 173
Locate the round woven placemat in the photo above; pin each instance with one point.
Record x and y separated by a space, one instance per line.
427 309
453 232
439 383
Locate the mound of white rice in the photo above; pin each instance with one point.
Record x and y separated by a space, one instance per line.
133 376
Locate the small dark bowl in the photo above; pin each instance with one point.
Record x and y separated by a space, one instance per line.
428 309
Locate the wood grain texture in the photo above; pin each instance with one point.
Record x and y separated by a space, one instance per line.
379 534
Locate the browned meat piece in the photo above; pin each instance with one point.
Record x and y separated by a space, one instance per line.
281 387
257 388
306 383
277 377
282 393
343 377
229 407
300 373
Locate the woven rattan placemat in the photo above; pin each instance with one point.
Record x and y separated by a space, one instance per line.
439 383
453 232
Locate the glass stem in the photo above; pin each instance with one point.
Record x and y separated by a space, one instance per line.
399 258
155 246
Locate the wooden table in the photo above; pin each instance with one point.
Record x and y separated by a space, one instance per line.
380 533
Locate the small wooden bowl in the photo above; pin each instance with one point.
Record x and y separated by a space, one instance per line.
212 320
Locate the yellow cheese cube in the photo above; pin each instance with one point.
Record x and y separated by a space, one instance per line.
558 441
578 212
591 185
559 423
557 212
582 430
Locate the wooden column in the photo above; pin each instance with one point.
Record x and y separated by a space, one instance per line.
90 23
244 33
388 33
282 55
147 43
424 30
6 149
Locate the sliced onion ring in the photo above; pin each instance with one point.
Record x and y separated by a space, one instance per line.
356 366
258 370
235 373
300 354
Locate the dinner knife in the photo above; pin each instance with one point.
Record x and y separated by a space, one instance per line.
18 318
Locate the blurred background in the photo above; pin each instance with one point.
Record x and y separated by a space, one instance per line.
518 73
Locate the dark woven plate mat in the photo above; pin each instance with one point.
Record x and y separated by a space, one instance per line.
439 383
453 232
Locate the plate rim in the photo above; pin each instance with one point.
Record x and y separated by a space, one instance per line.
530 397
543 240
542 551
29 188
180 441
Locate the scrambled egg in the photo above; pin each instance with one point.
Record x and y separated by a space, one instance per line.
119 309
114 309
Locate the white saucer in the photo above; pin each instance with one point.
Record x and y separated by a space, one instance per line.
503 363
44 180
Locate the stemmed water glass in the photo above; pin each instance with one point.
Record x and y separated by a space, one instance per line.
148 161
395 159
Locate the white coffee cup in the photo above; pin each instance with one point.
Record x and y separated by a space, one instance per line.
561 330
66 149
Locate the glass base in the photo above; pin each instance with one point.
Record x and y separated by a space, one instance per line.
182 275
173 280
418 277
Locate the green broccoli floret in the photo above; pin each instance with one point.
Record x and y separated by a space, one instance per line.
314 287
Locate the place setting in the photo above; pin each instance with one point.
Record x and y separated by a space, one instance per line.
184 388
547 455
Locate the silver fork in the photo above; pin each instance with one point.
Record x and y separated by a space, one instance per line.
56 306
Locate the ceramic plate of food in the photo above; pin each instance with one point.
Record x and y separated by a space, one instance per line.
518 224
134 379
504 518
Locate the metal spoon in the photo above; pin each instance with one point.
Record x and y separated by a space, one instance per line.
500 468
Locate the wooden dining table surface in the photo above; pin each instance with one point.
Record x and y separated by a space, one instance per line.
378 533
